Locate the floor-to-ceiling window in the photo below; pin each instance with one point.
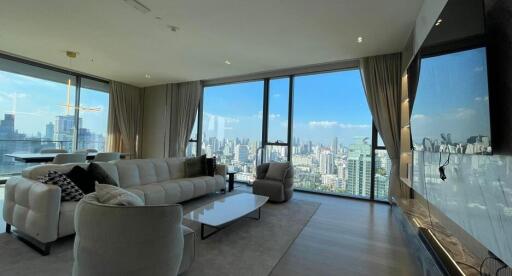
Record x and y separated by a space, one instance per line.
320 122
232 125
93 114
332 130
39 108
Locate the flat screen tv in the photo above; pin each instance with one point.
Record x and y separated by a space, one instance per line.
451 109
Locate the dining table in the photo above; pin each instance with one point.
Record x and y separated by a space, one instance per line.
45 157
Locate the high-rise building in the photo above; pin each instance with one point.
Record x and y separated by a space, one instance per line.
359 169
242 153
7 127
50 131
326 163
334 145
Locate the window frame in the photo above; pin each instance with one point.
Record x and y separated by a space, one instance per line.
78 80
311 70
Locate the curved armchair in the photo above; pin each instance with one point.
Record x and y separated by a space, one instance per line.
125 241
277 185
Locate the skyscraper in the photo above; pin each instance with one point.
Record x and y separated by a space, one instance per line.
359 169
7 127
241 153
334 145
326 163
50 130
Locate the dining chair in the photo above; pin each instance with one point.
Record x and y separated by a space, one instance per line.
107 156
53 150
63 158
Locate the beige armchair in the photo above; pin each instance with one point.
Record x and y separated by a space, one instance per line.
118 240
277 185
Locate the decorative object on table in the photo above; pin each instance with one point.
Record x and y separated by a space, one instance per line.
274 180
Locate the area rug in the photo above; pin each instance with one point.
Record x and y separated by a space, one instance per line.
247 247
251 247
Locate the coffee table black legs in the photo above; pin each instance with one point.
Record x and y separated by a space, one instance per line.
231 181
217 229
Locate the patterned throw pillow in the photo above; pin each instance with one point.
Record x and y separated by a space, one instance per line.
69 190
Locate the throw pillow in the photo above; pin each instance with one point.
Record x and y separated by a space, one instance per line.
276 171
211 166
113 195
100 175
69 191
195 166
82 178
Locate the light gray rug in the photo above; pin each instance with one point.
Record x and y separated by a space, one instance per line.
247 247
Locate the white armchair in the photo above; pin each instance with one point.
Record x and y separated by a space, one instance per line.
124 241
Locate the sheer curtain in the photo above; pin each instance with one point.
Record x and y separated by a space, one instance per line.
125 119
182 101
382 82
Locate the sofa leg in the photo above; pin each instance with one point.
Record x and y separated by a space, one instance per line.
7 228
45 250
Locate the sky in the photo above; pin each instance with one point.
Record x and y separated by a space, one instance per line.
36 102
452 97
325 106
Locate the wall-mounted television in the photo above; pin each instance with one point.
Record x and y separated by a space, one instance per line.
451 108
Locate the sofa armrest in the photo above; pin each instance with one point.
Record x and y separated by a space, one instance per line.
32 207
221 169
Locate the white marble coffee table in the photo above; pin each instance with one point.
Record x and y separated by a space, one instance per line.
219 213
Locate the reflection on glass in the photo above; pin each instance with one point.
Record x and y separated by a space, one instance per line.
232 121
278 99
332 130
382 171
37 111
93 115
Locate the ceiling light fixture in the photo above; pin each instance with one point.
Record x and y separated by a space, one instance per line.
148 76
227 62
439 21
138 6
360 39
173 28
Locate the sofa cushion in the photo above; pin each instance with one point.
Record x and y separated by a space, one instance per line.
82 178
176 167
211 166
112 195
100 175
69 190
276 171
154 194
195 166
37 171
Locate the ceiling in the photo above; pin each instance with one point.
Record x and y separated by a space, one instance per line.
116 41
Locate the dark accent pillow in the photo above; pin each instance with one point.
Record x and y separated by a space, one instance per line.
100 175
82 178
195 166
69 191
211 166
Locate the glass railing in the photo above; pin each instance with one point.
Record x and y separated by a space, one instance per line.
8 166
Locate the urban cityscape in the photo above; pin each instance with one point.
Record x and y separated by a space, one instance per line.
334 168
57 134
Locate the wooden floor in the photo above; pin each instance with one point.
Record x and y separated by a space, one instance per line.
344 237
347 237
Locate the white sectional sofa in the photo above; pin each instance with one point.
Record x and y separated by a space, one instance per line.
36 211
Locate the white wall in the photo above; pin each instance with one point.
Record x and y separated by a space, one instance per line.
153 133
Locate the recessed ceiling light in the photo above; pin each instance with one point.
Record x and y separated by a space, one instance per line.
227 62
360 39
158 18
173 28
148 76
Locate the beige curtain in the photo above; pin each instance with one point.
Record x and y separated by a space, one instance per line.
182 103
125 119
382 82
